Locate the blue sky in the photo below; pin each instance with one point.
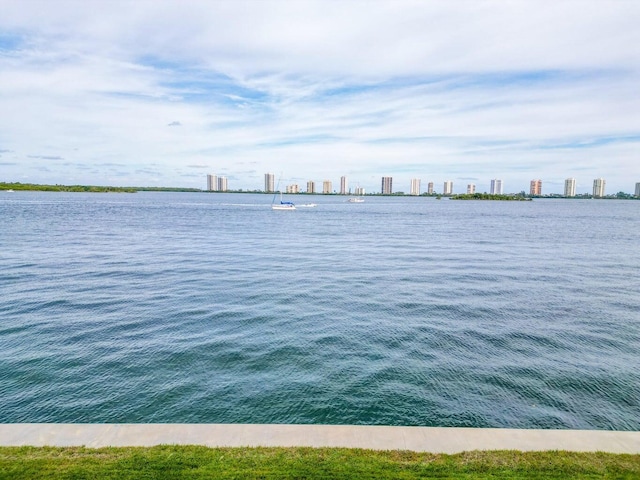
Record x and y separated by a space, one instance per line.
162 93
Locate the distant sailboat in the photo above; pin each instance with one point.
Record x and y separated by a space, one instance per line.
282 205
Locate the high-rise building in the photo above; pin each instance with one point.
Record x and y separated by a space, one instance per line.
293 188
327 187
536 187
387 185
448 188
637 194
343 185
359 191
471 189
269 182
212 183
496 187
222 184
430 188
598 187
415 186
311 186
570 187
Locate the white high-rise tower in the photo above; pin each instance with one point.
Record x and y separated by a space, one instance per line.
598 187
269 183
311 186
415 186
570 187
212 183
343 185
387 185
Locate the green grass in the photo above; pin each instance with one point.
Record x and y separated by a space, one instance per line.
194 462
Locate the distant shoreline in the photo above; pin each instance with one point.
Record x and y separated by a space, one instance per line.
33 187
491 197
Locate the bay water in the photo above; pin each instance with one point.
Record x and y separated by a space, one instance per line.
212 308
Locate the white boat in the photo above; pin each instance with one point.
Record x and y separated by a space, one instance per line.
282 205
356 200
308 205
9 191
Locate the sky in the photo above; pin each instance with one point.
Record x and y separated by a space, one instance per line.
162 93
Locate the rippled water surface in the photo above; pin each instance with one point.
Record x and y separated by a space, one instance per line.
195 307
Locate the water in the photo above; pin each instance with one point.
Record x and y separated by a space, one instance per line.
187 307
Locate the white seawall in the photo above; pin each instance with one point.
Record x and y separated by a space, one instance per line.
420 439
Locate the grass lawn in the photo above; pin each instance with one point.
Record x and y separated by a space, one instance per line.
195 462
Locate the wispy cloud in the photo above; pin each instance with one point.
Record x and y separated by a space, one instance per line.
45 157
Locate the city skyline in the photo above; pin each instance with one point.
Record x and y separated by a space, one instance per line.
159 94
220 183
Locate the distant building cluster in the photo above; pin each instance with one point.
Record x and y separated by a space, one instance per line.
496 187
216 183
359 191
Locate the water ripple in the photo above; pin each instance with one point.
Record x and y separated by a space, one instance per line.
192 308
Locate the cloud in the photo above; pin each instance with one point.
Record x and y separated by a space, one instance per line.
433 90
147 171
46 157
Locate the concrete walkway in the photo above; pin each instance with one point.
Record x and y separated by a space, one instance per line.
421 439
